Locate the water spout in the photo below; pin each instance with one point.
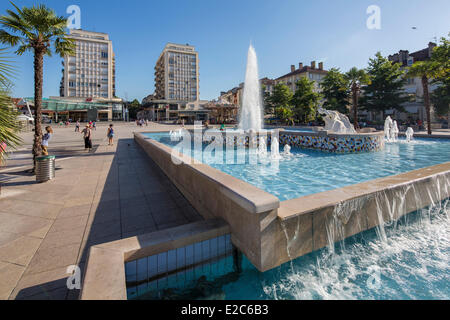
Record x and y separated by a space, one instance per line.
251 111
409 134
387 128
394 132
275 149
287 150
262 147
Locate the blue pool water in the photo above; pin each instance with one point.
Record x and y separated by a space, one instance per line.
298 130
411 262
310 171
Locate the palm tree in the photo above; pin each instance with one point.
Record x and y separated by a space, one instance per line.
36 29
356 78
425 70
9 126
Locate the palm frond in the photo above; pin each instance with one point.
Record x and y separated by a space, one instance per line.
9 126
7 71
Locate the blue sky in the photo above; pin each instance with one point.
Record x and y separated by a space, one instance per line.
283 32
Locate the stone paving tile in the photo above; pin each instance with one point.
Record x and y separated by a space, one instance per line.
104 229
44 197
51 258
63 238
137 222
65 224
9 276
41 283
163 218
20 250
74 211
25 225
43 210
6 237
100 216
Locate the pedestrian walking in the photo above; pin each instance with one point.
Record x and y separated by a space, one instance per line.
87 135
110 135
77 126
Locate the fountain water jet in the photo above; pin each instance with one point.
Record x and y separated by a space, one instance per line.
394 131
275 149
388 128
262 147
409 134
251 111
287 150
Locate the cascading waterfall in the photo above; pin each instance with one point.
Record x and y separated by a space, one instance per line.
369 267
251 110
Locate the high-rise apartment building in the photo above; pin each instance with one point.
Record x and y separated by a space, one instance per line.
177 73
91 72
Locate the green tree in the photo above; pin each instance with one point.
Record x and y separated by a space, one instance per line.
133 109
281 96
281 103
305 100
37 29
356 78
424 70
9 126
441 101
335 90
440 97
385 90
286 114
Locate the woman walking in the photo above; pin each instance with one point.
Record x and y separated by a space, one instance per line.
110 135
87 133
77 126
45 139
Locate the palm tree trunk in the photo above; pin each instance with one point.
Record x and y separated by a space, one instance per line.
38 80
426 99
355 106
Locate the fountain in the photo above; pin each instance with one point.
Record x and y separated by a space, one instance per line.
387 128
251 111
394 131
336 122
287 150
262 147
175 135
409 134
275 149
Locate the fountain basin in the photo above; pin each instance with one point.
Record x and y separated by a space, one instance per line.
259 222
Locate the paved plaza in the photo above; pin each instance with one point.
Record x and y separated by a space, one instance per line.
114 192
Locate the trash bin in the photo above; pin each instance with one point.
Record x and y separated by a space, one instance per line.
45 168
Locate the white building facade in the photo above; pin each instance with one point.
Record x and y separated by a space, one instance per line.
91 72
